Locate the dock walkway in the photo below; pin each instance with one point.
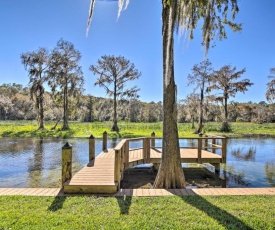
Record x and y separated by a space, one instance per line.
104 173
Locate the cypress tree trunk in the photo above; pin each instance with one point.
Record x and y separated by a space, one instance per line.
115 126
225 125
65 109
170 173
201 112
41 109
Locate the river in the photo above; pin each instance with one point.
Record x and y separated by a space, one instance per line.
32 162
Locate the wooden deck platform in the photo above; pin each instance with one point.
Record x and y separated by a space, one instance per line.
99 175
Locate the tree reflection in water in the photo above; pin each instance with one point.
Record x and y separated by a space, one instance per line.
233 178
35 165
270 173
241 154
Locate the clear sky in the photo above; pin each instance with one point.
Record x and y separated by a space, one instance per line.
30 24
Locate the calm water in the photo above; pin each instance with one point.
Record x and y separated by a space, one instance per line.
37 163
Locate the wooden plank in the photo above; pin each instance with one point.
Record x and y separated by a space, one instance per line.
86 189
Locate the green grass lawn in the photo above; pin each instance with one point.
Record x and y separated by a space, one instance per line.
127 129
188 212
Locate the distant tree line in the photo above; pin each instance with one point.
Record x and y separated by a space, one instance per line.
15 104
58 70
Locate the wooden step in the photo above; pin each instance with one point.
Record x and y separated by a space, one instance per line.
85 188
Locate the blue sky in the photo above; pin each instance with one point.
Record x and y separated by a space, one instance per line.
30 24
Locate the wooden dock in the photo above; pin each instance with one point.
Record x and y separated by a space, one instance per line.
104 172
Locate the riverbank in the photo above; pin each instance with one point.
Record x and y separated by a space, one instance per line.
128 129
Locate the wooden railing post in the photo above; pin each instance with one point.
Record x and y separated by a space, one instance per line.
213 145
66 163
224 150
122 159
91 148
153 140
117 167
146 150
104 142
199 150
126 149
206 143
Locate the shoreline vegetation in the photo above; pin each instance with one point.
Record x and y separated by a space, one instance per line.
24 129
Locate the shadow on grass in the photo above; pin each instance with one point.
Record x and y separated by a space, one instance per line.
227 220
57 203
124 202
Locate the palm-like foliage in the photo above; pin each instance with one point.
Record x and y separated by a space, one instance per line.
37 63
187 13
270 93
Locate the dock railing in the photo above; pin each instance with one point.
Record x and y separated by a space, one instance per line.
208 142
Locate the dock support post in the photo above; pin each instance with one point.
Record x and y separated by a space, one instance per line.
104 143
217 167
153 140
224 150
66 163
199 150
91 148
213 145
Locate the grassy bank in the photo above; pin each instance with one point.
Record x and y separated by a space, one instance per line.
127 129
188 212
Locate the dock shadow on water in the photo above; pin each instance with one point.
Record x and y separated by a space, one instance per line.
227 220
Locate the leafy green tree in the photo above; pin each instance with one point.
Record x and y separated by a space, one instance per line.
270 93
225 80
113 74
37 63
65 76
9 90
176 15
192 102
200 76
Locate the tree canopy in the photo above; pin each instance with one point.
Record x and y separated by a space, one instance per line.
37 64
113 74
65 75
270 93
225 80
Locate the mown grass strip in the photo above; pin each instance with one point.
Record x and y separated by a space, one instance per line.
188 212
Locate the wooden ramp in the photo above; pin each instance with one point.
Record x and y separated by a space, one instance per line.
99 175
96 177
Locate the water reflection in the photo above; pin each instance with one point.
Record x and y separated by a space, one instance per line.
37 162
246 155
233 178
270 173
